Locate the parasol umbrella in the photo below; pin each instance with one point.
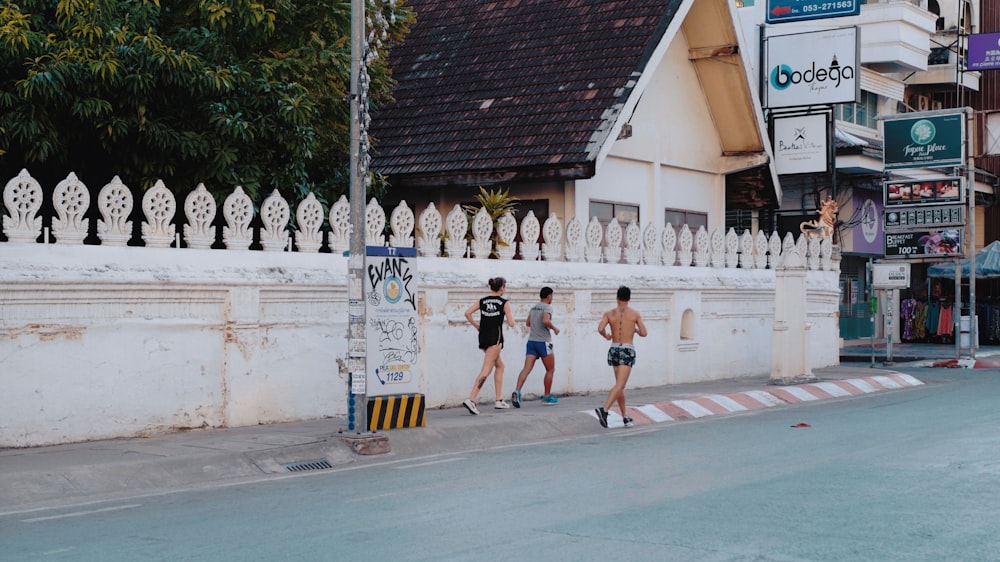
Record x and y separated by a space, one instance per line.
987 264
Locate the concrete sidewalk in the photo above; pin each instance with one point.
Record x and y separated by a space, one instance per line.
120 468
862 351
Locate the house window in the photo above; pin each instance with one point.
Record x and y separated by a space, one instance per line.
605 211
862 113
678 217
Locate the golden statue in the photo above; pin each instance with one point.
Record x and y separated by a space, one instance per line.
823 227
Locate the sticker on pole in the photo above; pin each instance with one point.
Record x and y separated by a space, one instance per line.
358 381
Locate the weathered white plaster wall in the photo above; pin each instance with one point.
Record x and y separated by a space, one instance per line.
99 342
673 158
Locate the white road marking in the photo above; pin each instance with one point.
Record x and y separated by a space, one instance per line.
832 389
81 513
909 379
800 393
861 385
887 382
654 413
693 408
727 403
765 398
428 463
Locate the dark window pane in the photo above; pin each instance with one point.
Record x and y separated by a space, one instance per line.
603 211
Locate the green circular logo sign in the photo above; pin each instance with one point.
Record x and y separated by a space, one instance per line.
923 131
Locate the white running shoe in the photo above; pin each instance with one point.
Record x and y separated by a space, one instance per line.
471 407
501 405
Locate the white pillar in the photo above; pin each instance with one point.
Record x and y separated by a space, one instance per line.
789 364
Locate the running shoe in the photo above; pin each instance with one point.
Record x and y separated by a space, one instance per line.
550 399
515 398
471 407
628 421
501 405
602 416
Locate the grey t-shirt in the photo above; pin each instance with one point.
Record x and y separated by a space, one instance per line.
539 331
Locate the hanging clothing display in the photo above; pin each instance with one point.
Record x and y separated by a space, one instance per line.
920 320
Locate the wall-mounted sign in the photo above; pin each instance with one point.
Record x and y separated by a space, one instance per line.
779 11
890 275
924 140
814 68
868 234
923 217
800 143
984 51
393 336
926 243
907 193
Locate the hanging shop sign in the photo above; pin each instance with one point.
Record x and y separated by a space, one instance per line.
780 11
814 68
924 140
392 334
801 143
984 51
931 192
925 243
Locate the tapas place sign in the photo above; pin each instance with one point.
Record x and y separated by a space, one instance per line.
924 140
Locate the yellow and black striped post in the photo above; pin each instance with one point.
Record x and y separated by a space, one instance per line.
396 410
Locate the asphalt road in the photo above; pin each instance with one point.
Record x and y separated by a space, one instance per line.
904 475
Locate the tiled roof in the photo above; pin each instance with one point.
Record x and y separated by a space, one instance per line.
492 87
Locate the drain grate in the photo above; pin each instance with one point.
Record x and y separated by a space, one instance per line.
303 466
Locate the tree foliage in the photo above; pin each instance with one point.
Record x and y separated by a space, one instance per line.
220 92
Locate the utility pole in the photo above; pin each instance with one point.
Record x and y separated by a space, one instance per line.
357 342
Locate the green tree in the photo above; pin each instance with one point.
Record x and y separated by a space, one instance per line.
223 92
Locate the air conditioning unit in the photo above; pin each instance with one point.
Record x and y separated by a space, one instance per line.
936 104
923 103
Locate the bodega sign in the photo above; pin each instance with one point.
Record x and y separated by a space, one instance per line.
923 140
815 68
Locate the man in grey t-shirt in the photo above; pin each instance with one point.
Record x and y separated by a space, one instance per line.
539 346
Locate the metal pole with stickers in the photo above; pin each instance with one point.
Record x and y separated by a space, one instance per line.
890 277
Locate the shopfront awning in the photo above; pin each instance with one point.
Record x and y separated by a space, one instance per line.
987 265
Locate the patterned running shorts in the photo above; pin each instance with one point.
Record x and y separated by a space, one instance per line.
621 355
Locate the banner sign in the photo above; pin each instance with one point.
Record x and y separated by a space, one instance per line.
800 143
779 11
924 140
984 51
868 235
922 217
907 193
392 331
814 68
926 243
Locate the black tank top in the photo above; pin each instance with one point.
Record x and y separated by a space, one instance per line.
491 317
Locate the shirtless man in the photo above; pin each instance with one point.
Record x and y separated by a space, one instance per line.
625 323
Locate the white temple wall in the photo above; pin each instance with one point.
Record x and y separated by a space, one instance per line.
152 332
100 342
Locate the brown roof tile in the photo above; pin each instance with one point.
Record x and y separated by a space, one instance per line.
512 84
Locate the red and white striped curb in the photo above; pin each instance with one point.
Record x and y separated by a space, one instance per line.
716 404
